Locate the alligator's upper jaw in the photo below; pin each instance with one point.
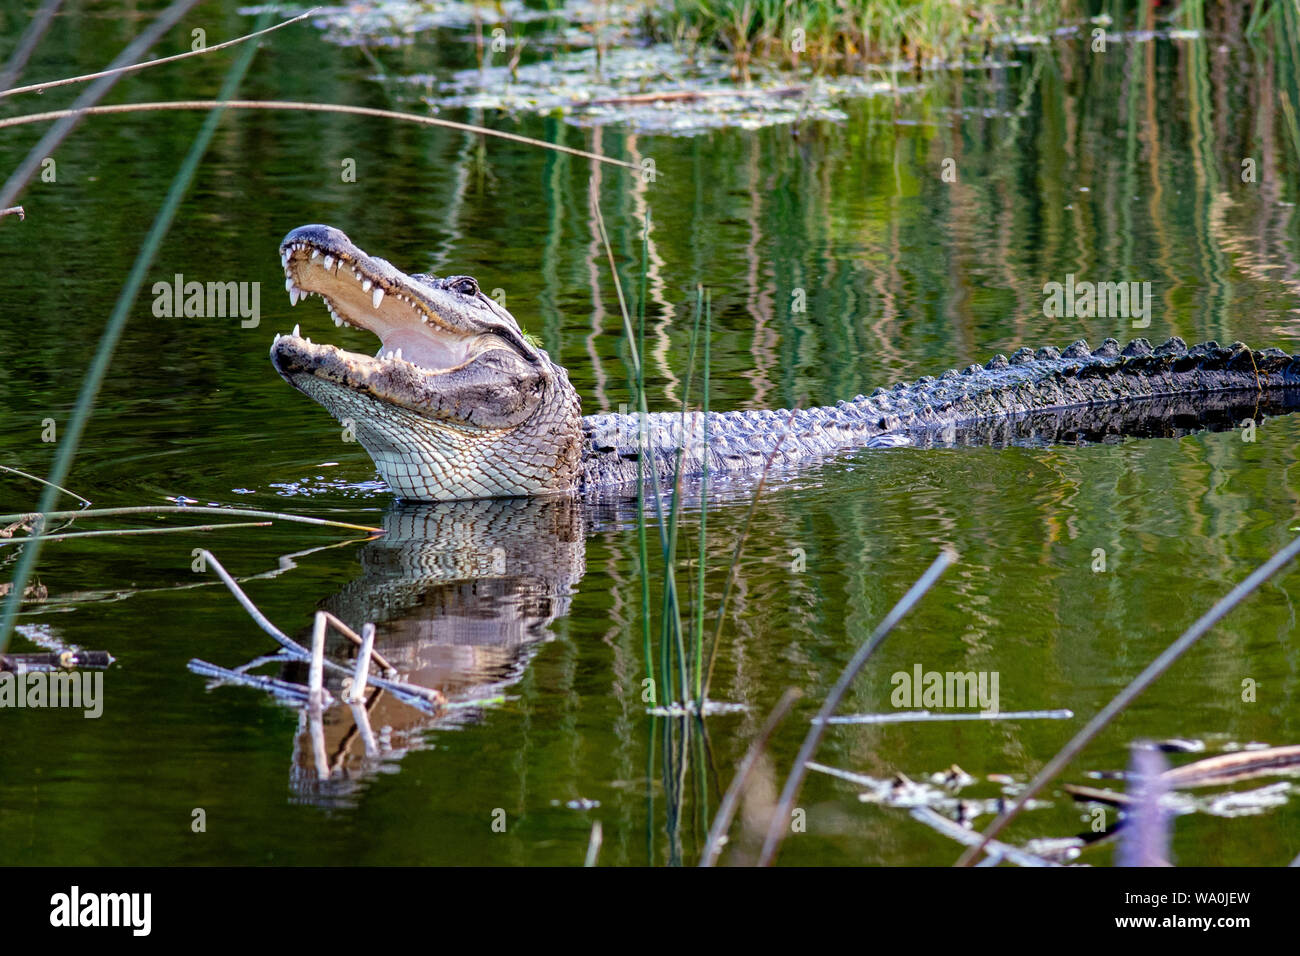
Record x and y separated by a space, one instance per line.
369 293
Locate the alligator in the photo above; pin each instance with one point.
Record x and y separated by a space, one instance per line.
458 403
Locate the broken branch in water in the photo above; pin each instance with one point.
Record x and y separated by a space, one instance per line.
941 824
1209 772
422 698
287 691
1110 798
5 212
316 674
910 716
132 531
188 509
357 691
1234 767
281 638
1131 692
26 663
359 640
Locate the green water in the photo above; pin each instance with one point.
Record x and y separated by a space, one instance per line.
1126 166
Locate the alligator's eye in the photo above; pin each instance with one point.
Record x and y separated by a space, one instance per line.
465 286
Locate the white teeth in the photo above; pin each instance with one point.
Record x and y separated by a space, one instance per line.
315 253
377 297
276 339
329 262
398 355
338 322
296 331
365 285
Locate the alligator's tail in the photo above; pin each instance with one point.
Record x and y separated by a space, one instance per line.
1043 396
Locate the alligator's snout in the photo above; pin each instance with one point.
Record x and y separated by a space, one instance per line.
318 234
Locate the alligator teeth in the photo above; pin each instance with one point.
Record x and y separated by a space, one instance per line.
296 331
315 253
329 263
338 322
365 285
398 355
377 297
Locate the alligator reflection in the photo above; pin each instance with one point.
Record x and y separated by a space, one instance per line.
461 595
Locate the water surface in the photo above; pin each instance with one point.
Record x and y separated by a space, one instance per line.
1122 168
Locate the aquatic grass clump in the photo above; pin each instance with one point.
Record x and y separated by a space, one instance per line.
851 34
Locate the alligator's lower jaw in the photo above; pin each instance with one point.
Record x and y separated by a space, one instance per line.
294 356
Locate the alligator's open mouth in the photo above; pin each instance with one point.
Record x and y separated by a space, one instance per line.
427 326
